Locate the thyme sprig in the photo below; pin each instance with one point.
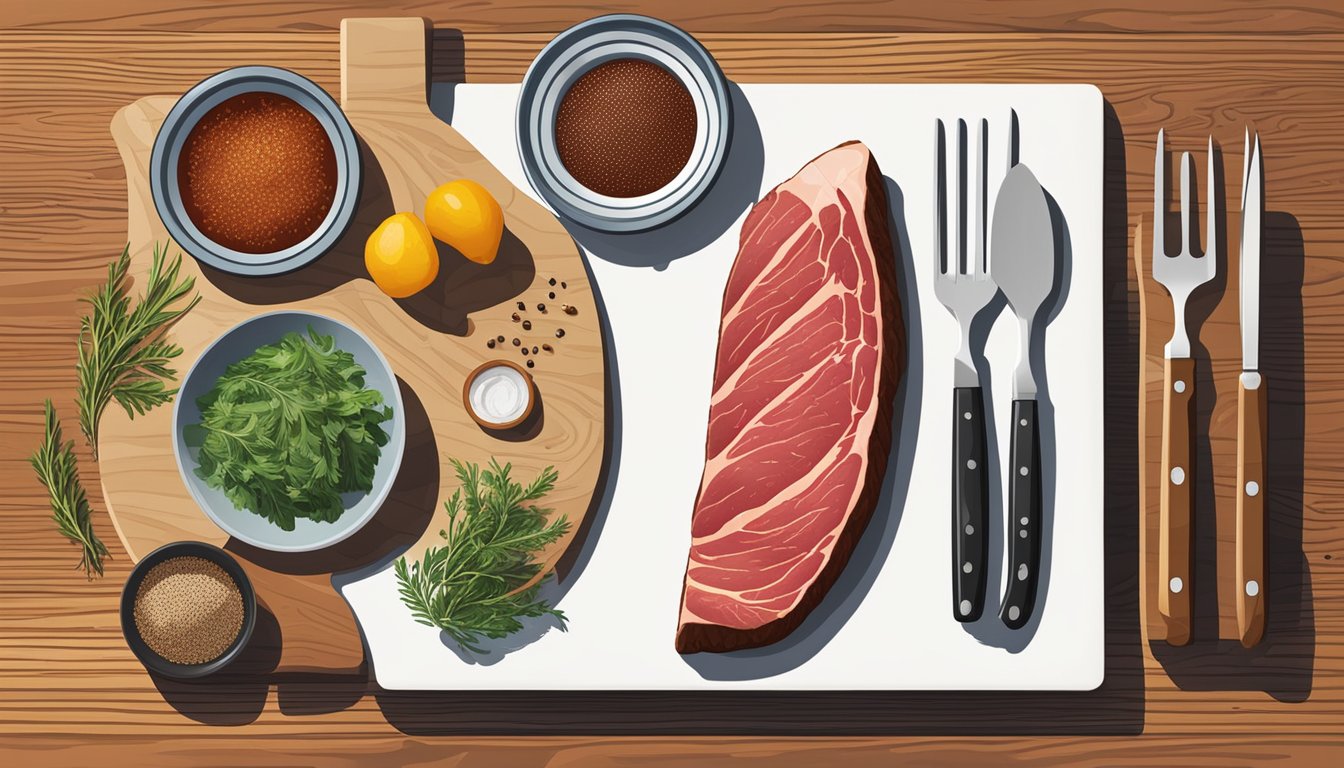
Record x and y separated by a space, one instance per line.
482 581
123 355
54 462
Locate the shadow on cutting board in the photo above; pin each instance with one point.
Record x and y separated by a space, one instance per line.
1282 664
461 287
1116 708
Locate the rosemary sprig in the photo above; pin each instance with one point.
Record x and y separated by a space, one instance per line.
474 585
55 465
122 353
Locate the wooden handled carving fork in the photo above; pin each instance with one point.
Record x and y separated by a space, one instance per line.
1180 275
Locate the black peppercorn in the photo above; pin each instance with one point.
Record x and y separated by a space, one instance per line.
530 365
563 285
541 307
524 351
527 325
551 294
534 350
490 343
570 309
521 305
516 342
551 281
515 317
548 347
500 339
559 333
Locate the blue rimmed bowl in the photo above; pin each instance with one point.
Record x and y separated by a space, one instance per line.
193 106
237 343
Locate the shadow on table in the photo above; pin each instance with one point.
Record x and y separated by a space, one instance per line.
1282 664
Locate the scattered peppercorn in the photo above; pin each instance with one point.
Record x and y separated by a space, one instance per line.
521 305
524 351
530 365
563 284
559 333
548 347
552 281
534 349
490 343
551 294
570 309
541 307
515 317
500 339
516 342
527 325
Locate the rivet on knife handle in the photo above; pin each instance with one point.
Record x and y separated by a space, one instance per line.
1024 510
1251 508
970 504
1174 534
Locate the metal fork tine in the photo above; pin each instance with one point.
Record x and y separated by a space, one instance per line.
979 253
1160 197
940 197
1210 234
957 264
1187 194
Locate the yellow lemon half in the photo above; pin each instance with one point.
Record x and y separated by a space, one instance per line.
465 215
400 255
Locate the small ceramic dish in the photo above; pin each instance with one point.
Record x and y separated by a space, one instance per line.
237 343
575 52
188 111
499 394
153 661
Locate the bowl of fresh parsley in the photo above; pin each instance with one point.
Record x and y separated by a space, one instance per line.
289 431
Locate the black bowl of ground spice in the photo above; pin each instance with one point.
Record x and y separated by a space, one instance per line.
623 123
187 610
255 171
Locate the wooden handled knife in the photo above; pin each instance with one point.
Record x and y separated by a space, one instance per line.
1251 410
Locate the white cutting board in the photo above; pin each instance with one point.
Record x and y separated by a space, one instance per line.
888 623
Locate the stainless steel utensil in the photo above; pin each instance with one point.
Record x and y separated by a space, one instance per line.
1251 409
1022 249
963 284
194 105
1180 275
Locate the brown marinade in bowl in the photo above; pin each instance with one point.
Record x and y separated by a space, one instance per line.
257 173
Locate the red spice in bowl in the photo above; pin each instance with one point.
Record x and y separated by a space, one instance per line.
625 128
257 173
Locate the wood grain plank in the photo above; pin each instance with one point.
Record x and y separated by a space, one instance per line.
700 16
70 692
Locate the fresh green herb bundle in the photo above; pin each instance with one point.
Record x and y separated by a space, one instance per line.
122 353
481 581
55 465
289 428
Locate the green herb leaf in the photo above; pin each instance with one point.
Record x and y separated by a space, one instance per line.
55 466
288 429
122 353
476 584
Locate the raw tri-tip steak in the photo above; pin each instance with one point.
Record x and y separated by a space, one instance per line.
810 350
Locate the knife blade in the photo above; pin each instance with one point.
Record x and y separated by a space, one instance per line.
1251 409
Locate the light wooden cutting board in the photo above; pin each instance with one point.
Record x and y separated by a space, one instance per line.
432 340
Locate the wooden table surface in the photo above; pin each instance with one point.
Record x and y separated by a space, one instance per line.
71 692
